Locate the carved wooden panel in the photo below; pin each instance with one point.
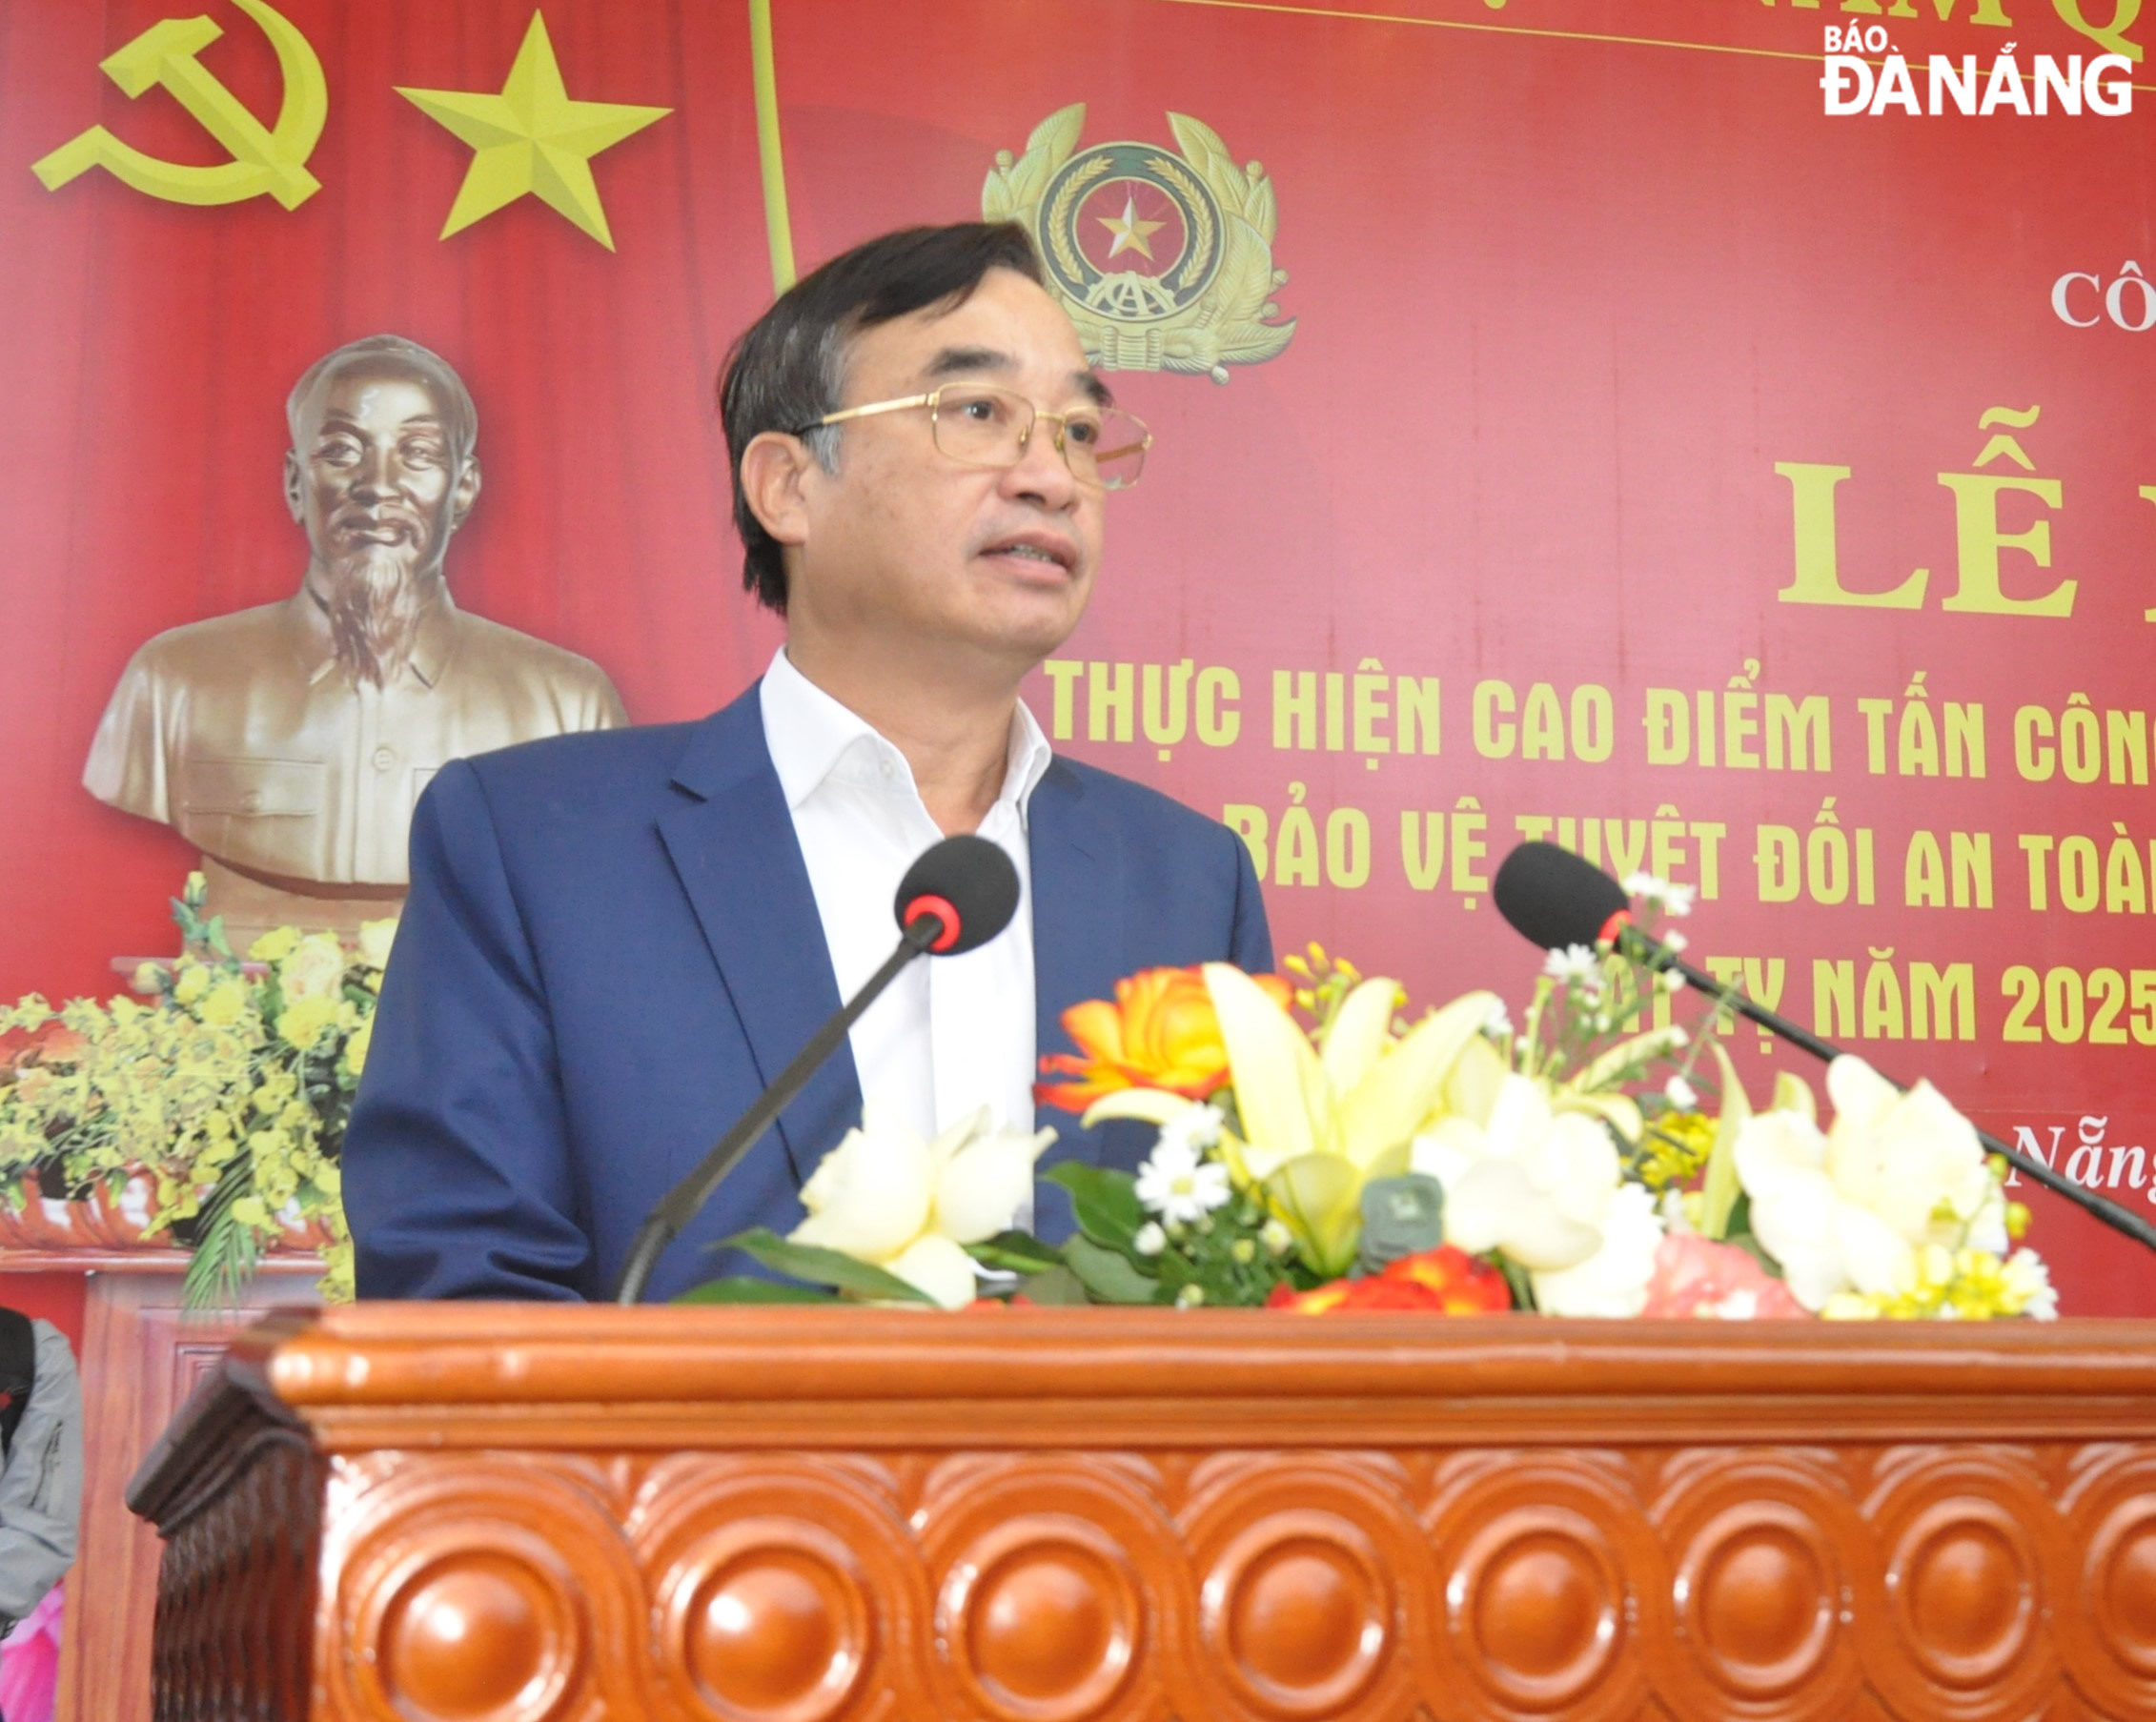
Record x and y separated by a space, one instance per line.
779 1553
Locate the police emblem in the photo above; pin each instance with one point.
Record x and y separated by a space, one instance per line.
1163 261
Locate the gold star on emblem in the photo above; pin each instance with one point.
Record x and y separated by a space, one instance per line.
532 139
1131 234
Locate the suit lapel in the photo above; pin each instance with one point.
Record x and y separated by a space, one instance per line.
1078 889
733 846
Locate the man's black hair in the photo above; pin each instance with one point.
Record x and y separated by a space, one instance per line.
788 370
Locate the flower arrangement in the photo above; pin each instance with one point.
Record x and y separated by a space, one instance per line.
1315 1149
209 1110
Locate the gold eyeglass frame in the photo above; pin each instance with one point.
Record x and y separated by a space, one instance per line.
932 400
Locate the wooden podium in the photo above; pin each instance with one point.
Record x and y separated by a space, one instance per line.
530 1514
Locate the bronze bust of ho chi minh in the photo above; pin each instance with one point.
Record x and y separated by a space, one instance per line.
289 742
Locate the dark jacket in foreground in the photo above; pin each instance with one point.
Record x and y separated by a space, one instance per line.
610 946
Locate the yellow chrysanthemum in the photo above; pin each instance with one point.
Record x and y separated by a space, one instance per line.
1964 1285
1674 1147
301 1022
222 1005
274 946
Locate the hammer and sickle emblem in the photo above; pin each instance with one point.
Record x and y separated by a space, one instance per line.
271 160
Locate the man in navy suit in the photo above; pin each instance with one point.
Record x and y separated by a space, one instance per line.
614 941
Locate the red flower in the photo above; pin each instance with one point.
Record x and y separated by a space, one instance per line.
1437 1282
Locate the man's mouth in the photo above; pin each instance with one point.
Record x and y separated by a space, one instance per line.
1043 548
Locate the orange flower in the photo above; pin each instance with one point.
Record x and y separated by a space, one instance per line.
51 1043
1161 1032
1438 1282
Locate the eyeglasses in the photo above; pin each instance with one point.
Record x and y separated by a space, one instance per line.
978 425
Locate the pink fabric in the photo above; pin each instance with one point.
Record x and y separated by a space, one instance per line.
30 1663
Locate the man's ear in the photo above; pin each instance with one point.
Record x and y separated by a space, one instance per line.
774 469
294 481
466 492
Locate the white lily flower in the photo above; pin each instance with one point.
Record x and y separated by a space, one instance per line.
1317 1126
1543 1185
1849 1208
1612 1280
885 1197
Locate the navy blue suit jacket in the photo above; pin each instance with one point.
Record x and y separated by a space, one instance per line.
611 945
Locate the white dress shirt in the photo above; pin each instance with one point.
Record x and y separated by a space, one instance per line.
953 1033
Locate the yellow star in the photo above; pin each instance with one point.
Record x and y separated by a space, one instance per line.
532 138
1131 234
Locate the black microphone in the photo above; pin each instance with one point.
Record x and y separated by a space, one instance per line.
1551 896
958 895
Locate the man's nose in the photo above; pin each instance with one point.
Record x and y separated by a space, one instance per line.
1042 475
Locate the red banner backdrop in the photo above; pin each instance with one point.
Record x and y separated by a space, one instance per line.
1656 463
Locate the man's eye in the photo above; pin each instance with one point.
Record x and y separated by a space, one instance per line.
1084 431
983 409
339 452
422 453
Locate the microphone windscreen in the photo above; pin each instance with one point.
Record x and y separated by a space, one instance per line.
969 876
1551 896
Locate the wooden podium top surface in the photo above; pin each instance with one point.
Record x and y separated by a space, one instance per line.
479 1374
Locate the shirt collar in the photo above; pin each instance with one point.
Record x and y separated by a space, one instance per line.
809 734
307 630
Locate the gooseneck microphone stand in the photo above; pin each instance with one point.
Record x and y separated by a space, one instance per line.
1655 955
681 1204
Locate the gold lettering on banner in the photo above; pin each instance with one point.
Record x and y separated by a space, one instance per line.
1980 539
1818 578
266 161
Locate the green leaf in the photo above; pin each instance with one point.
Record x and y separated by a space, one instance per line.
742 1288
1109 1274
1058 1286
1015 1252
225 1251
1517 1277
822 1266
1105 1202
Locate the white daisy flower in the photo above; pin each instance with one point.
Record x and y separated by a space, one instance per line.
1180 1186
1575 965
